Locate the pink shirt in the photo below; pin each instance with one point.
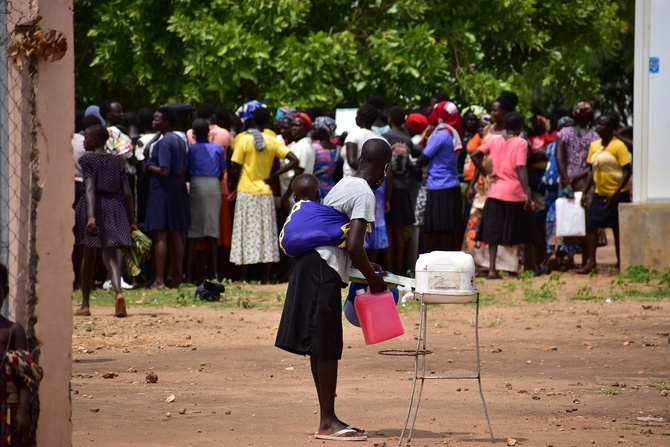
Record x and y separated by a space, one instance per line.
506 155
217 135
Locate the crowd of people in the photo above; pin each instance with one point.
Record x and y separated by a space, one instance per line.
213 188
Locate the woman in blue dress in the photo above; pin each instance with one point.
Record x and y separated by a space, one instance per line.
167 205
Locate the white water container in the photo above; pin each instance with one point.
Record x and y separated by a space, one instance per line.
445 277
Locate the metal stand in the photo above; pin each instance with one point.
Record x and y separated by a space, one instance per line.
420 374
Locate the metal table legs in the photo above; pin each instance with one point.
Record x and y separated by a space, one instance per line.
420 373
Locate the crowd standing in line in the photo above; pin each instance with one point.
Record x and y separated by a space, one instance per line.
214 192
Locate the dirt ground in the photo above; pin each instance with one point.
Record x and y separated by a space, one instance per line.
559 373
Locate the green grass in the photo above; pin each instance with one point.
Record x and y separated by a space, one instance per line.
660 385
585 294
609 392
238 295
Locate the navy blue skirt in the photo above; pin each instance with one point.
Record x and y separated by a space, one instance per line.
599 216
167 204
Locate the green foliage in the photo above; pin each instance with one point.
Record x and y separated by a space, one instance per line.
585 294
660 385
639 274
318 53
546 293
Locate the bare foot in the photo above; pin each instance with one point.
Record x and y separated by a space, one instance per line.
157 285
494 275
120 307
82 312
587 269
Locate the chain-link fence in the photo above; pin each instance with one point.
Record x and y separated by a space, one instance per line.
18 197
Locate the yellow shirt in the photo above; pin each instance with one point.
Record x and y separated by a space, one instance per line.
607 165
256 165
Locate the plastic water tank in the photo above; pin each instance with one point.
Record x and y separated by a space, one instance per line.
445 277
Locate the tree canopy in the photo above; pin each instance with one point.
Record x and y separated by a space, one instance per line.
321 53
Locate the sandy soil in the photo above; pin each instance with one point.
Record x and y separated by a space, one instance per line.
562 373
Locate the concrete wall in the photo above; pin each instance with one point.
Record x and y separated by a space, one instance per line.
644 231
645 224
54 104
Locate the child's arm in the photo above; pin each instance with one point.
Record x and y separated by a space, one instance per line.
356 250
128 199
23 413
91 227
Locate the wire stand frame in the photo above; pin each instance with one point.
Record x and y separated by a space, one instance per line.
420 373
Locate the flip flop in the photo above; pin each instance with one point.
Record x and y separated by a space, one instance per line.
358 430
342 435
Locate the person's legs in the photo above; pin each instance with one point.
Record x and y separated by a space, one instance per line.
176 241
190 250
397 248
110 256
493 254
87 265
590 253
324 372
213 258
160 251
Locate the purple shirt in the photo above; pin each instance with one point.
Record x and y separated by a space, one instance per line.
443 168
206 159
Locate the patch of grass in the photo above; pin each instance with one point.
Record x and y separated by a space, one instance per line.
546 294
585 294
240 295
639 274
609 391
509 286
647 432
626 428
526 275
589 427
660 385
494 323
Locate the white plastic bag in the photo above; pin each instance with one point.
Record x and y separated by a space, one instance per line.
570 216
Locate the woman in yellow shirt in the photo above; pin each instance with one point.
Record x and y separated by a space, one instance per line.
610 173
254 239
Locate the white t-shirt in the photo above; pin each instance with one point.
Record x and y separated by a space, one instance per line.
353 197
358 137
77 151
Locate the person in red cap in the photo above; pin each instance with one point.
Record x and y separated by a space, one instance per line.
443 215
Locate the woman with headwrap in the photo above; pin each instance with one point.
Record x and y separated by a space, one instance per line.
254 239
283 120
444 211
572 147
326 153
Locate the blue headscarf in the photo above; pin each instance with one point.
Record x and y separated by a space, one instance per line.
244 112
95 111
325 123
285 112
